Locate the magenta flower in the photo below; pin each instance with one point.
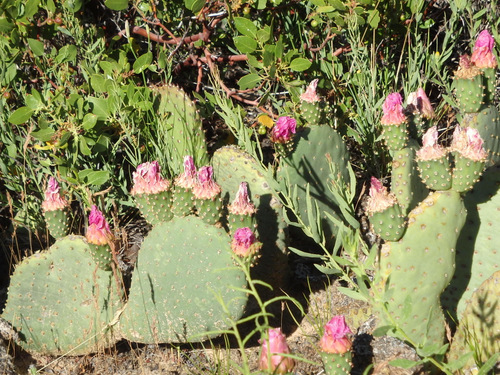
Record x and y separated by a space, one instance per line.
431 150
335 338
205 187
482 53
98 232
187 179
393 110
277 345
468 143
310 95
283 130
148 180
53 200
379 198
421 103
242 204
245 243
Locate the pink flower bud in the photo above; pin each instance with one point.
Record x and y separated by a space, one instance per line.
431 150
468 143
98 232
53 200
482 53
245 243
148 180
310 95
206 187
283 129
421 103
187 179
277 345
393 110
379 198
242 204
335 338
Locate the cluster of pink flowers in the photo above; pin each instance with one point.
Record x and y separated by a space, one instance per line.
275 346
421 103
283 130
53 200
310 96
245 243
205 187
482 53
335 339
148 180
393 110
431 149
187 179
379 198
242 204
98 232
468 143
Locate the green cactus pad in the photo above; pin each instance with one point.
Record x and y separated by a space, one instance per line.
469 93
435 174
182 201
155 208
313 113
182 127
337 364
234 222
395 136
57 222
209 210
490 83
465 173
315 147
408 287
101 255
389 224
184 274
479 328
60 302
478 249
406 185
233 166
487 122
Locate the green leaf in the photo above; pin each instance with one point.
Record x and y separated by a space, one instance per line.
97 82
489 364
99 107
194 5
73 5
89 121
263 35
325 9
143 62
5 25
21 115
36 47
91 177
403 363
373 18
337 4
352 293
245 44
84 148
249 81
299 64
116 4
43 135
245 27
30 8
66 54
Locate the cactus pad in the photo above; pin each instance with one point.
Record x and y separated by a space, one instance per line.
61 302
184 270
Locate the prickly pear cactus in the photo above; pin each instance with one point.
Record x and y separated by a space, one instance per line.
182 127
313 149
408 287
60 301
479 328
478 248
184 276
233 166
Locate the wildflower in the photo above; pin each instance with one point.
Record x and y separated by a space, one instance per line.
283 129
206 187
421 103
310 95
148 180
379 198
245 243
335 338
468 143
53 200
393 110
242 204
482 53
277 345
187 179
431 150
98 232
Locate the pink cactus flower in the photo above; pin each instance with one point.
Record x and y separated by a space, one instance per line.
393 110
187 179
242 204
148 180
283 130
98 232
277 345
482 53
53 200
310 95
206 187
335 338
379 198
421 103
245 243
431 149
468 143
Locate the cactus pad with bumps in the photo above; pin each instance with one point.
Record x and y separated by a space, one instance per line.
61 302
184 274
